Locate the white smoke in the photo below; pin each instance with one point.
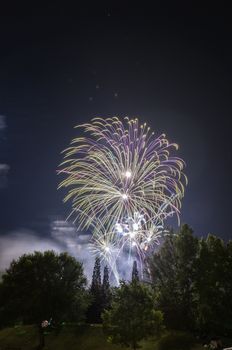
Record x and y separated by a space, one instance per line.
76 243
16 243
64 237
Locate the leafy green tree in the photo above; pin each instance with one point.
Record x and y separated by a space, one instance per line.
172 272
39 286
132 316
135 273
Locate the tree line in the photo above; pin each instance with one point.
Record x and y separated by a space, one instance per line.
189 288
192 279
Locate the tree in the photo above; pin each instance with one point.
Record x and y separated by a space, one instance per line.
132 316
172 271
39 286
193 282
96 278
105 282
213 286
135 273
106 293
95 309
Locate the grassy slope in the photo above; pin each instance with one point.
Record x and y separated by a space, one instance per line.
24 337
70 338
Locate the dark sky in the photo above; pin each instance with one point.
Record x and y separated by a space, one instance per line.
170 66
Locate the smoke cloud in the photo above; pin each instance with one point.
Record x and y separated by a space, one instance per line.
62 238
16 243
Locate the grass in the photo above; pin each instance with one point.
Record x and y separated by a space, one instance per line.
73 337
24 337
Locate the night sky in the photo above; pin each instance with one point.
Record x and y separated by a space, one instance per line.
170 66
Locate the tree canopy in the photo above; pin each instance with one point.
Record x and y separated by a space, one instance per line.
39 286
192 278
132 316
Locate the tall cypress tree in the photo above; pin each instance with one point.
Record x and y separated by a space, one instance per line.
106 295
135 273
95 309
96 278
105 282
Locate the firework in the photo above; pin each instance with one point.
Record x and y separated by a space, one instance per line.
123 183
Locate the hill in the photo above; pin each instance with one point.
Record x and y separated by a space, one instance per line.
73 337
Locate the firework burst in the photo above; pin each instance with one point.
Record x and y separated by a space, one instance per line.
123 183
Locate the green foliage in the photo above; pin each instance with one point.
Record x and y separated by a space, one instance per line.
42 285
172 273
213 285
132 316
193 282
